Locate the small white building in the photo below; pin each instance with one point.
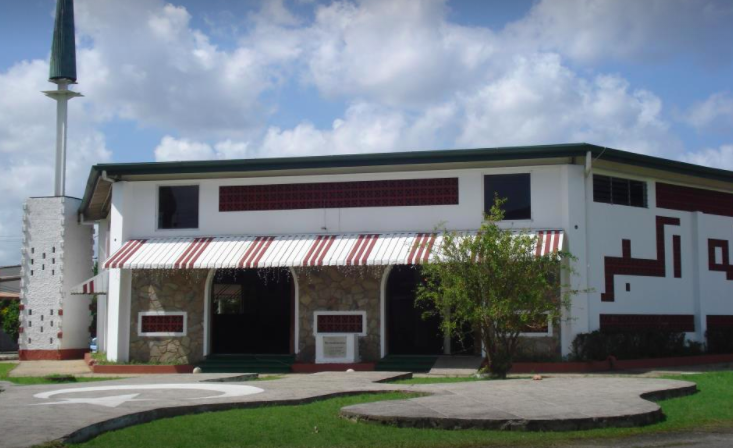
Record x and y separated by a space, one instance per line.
315 256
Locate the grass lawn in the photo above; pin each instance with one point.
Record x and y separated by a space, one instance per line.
318 425
6 367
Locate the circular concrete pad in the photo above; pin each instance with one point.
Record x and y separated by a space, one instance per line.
554 404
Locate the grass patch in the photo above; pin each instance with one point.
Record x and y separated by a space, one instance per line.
5 369
318 425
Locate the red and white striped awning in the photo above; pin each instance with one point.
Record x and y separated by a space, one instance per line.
233 252
95 285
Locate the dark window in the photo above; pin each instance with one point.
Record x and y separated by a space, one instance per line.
178 207
615 190
512 187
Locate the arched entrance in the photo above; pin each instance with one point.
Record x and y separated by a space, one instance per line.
407 332
252 311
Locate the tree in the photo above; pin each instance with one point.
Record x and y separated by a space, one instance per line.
10 318
494 283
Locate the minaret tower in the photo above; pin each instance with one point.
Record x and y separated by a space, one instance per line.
62 73
57 248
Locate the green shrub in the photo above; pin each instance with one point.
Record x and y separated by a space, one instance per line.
720 340
10 318
599 345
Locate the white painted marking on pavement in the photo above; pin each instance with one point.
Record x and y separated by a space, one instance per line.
226 390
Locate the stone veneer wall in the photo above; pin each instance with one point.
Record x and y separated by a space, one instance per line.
171 290
340 289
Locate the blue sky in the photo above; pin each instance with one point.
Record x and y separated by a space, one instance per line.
193 79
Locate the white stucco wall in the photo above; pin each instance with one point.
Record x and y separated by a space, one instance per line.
698 291
56 256
547 207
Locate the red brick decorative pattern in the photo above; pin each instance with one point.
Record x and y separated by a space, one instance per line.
675 197
162 324
380 193
677 255
724 265
340 323
626 265
719 321
651 322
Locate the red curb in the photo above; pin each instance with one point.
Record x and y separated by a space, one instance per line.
52 355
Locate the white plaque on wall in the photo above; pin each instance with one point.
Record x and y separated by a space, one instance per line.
334 347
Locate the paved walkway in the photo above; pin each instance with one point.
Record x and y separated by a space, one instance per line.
44 368
554 404
77 412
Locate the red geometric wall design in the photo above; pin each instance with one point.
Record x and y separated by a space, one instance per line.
688 199
162 324
379 193
724 265
648 322
340 323
626 265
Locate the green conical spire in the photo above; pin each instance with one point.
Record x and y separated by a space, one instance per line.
63 49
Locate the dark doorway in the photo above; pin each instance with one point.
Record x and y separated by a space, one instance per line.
251 311
408 333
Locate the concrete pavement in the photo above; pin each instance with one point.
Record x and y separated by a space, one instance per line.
32 415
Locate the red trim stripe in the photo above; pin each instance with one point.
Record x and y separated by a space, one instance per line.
420 248
197 254
538 249
318 250
121 263
123 250
369 249
266 246
249 250
91 287
548 240
415 245
556 245
430 247
354 250
331 239
313 248
364 245
184 256
84 288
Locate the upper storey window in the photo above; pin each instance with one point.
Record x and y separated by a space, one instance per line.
515 188
615 190
178 207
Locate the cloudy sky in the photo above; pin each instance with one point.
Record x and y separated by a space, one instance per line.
217 79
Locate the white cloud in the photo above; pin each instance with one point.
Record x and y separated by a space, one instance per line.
721 157
716 112
27 147
395 52
540 100
142 60
172 149
642 31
